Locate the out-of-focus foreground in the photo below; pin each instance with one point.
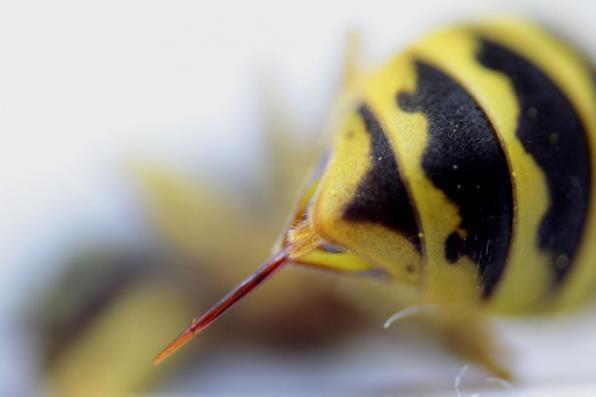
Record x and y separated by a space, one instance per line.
151 154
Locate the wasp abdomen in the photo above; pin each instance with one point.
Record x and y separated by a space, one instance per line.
553 134
464 159
382 196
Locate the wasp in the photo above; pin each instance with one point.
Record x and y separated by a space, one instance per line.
461 171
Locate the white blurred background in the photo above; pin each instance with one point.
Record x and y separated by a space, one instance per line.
87 86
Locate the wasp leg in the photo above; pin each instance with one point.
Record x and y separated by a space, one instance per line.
352 65
468 334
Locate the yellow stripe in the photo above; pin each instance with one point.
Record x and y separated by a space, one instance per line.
453 51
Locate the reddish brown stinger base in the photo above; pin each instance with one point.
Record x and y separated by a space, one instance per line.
260 275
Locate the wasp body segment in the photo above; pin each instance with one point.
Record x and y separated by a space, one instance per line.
464 170
490 132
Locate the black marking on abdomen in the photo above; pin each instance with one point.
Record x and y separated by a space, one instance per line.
382 197
464 159
553 134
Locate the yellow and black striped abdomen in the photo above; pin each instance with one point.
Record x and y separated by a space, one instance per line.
556 128
516 163
465 169
527 85
490 131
